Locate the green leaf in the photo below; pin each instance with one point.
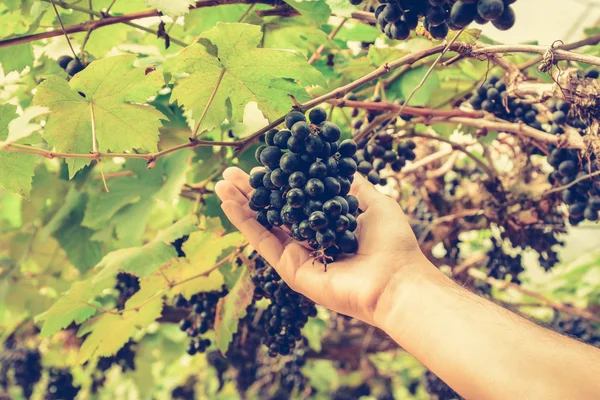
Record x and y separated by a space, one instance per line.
172 8
203 250
315 11
108 332
206 18
293 34
231 308
226 66
410 80
469 35
380 56
16 169
313 331
145 260
342 8
129 203
16 58
75 239
114 90
73 306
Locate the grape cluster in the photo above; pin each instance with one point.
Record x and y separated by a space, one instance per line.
287 314
60 385
583 197
288 378
397 18
127 285
493 97
243 353
306 188
184 392
202 307
71 65
576 327
25 366
438 389
351 392
124 358
500 264
375 155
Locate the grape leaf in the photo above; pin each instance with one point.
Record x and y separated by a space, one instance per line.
202 251
75 239
145 260
380 56
21 127
231 308
128 205
315 11
108 332
225 71
16 169
172 8
16 58
342 8
73 306
411 79
112 89
206 18
293 34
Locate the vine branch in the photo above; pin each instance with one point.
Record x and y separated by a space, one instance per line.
339 93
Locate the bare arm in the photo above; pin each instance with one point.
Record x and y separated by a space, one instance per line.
481 350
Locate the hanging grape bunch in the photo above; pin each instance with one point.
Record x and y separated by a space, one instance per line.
60 385
397 18
25 367
500 264
287 314
373 156
583 198
202 307
306 188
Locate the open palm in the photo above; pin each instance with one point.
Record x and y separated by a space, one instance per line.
351 285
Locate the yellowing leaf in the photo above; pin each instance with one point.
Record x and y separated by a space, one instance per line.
108 332
202 250
113 90
180 271
231 308
226 66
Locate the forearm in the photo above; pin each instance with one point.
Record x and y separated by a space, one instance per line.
480 349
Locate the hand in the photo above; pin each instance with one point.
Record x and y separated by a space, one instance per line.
351 285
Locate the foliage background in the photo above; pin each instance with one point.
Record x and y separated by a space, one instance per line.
64 238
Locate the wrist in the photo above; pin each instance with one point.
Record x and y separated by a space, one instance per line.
400 297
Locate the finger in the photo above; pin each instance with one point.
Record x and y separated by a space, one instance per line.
226 190
365 192
264 241
240 179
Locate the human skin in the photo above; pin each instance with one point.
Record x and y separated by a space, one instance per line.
480 349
